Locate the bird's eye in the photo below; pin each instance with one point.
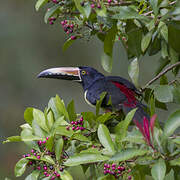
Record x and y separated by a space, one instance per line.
83 72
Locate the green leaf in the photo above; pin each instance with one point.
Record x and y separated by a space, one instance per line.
104 117
58 148
176 93
71 111
86 10
40 119
128 154
154 6
174 35
50 143
108 49
28 115
172 123
106 62
47 159
61 107
84 158
175 162
80 137
163 30
65 175
20 167
134 40
107 177
105 138
13 139
102 12
170 175
158 170
67 44
26 135
99 102
121 128
163 93
126 12
37 130
61 130
40 3
50 120
133 71
146 41
33 176
50 12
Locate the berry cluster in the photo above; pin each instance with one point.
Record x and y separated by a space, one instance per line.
116 170
68 28
76 125
46 169
52 20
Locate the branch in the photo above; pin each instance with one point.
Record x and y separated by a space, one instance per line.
160 74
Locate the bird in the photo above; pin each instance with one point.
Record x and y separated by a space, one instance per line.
120 92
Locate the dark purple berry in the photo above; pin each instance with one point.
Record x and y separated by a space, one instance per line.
61 169
92 5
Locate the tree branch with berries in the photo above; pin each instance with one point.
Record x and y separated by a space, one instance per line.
109 145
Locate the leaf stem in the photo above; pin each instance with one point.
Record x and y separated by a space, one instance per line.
160 74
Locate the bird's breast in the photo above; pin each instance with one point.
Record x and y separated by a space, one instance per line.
86 99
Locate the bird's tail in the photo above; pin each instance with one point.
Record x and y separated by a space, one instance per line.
140 112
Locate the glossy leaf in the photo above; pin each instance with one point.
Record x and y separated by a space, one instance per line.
65 175
67 44
104 117
40 119
33 176
61 130
61 107
172 123
84 158
37 131
50 120
158 170
133 71
163 93
28 115
86 10
20 167
154 5
50 12
105 138
170 175
146 41
175 162
121 128
50 143
13 139
58 148
40 3
106 59
126 12
71 111
47 159
80 137
128 154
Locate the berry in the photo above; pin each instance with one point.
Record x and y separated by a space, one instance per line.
73 37
38 157
113 165
113 168
105 165
34 154
105 172
45 168
129 170
47 138
61 169
57 175
32 150
92 5
109 1
81 119
98 6
129 177
53 177
73 128
39 168
44 142
45 173
76 123
72 122
82 128
77 128
67 128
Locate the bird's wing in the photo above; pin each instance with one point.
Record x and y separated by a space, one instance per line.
124 82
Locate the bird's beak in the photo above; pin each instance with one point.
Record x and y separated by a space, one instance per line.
67 73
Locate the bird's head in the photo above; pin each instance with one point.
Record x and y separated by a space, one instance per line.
82 74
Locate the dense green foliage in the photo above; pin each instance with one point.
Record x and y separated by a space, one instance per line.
105 145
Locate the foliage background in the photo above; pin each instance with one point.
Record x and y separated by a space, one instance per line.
27 46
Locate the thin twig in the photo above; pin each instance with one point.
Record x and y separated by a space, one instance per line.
161 74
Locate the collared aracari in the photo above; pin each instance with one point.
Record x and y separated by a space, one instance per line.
120 91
